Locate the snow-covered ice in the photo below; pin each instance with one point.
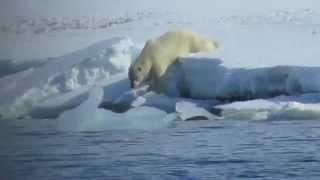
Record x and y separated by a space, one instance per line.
194 85
201 77
266 66
70 72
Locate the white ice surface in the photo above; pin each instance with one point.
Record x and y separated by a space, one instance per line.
189 111
299 107
198 76
169 103
207 78
52 107
114 88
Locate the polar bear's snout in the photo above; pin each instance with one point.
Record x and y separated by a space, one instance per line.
136 79
135 84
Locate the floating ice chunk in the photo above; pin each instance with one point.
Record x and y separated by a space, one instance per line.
257 104
145 118
75 118
88 117
249 110
119 98
169 103
115 86
52 107
304 106
297 111
153 99
140 97
190 111
139 101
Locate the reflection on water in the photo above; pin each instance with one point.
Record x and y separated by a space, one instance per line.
34 149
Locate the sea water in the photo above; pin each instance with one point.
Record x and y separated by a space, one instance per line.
187 150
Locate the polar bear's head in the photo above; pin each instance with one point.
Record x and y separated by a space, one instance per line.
138 74
139 71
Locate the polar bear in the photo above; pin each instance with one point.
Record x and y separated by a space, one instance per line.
158 54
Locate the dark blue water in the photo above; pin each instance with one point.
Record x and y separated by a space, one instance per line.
34 149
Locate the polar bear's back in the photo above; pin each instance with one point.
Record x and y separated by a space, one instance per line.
183 42
173 44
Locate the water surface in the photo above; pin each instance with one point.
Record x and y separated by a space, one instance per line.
225 149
